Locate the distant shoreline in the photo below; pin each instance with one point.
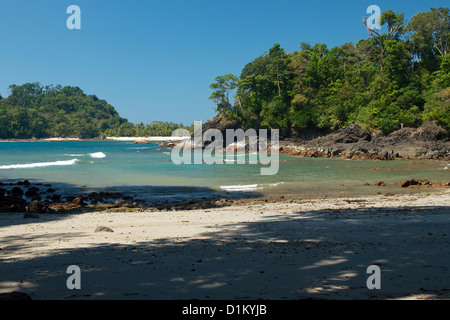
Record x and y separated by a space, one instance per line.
96 139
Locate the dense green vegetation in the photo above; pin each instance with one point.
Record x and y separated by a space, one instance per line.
35 111
401 76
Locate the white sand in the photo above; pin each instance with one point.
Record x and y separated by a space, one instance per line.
147 138
318 249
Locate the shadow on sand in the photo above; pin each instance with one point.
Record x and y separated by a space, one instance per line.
307 255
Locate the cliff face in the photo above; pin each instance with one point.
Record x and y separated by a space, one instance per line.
353 142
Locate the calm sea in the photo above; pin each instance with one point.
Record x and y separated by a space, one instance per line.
146 171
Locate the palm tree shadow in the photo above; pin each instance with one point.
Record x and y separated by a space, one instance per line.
308 255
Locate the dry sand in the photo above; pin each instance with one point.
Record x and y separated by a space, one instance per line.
317 249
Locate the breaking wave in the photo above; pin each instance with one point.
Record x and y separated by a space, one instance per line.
39 164
250 187
97 155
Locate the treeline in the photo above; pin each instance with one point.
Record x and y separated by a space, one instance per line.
398 77
154 129
36 111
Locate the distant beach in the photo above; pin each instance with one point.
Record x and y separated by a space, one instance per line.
98 139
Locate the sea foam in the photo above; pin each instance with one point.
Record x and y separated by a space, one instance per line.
97 155
39 164
240 187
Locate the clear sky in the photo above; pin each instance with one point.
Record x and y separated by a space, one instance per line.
155 59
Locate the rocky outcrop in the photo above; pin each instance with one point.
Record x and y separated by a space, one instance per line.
31 200
422 183
353 142
11 201
103 229
219 122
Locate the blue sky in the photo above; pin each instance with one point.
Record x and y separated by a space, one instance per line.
155 59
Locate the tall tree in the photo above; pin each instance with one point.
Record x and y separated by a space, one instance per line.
395 23
432 28
223 87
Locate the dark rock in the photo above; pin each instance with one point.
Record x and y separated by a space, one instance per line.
78 201
15 296
103 229
51 190
353 142
350 134
417 183
380 184
16 208
120 203
17 192
26 183
429 132
56 198
32 192
34 206
407 183
116 195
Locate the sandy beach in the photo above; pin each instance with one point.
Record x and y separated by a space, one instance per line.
146 138
318 249
106 139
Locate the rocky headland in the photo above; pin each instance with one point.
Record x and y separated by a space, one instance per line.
353 142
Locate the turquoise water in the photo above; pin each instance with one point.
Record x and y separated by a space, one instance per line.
148 170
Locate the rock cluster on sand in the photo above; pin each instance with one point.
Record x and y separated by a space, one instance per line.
48 202
354 142
22 197
417 183
12 201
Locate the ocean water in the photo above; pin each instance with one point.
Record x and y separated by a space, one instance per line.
147 171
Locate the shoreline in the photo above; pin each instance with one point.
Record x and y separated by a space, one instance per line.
95 139
428 142
318 249
35 198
